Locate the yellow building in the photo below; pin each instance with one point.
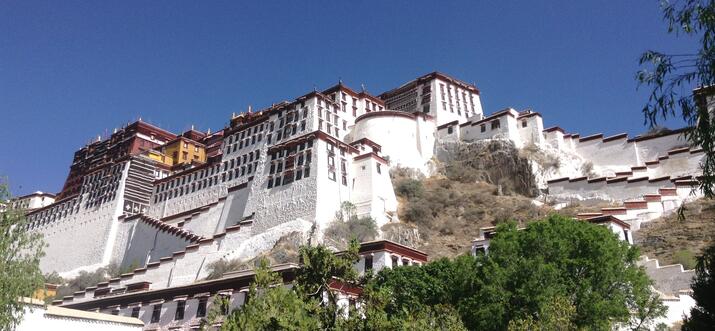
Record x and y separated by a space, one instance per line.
160 157
183 150
48 291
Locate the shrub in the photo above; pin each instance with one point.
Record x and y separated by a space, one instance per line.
360 228
418 212
686 258
656 131
220 267
587 170
409 188
83 280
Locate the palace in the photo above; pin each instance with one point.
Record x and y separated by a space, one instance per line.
174 203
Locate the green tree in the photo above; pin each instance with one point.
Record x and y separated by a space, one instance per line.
671 78
702 316
348 226
557 315
309 304
20 253
321 267
374 314
557 261
272 306
586 263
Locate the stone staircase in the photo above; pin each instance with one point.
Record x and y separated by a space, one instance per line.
670 280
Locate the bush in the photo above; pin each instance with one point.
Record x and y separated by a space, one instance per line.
686 258
409 188
656 131
220 267
361 228
587 170
83 280
418 212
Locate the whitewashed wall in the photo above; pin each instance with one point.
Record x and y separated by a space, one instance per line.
608 157
56 318
408 142
532 133
373 194
84 240
147 244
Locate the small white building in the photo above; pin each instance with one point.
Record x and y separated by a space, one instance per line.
33 201
40 317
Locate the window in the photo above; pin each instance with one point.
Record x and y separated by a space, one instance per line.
523 124
201 309
379 170
135 312
344 180
483 128
180 307
368 262
331 175
307 172
156 313
496 124
450 130
270 182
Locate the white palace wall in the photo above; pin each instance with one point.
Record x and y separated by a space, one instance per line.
408 140
373 194
284 203
616 153
607 156
330 193
147 243
90 236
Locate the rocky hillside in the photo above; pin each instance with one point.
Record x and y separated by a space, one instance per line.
477 185
495 162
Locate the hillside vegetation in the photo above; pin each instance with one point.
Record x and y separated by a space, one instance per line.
672 240
478 185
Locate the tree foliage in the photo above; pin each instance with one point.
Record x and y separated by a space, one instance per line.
273 307
557 274
309 304
20 253
671 78
348 226
702 316
558 262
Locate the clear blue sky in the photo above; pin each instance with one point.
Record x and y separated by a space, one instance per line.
72 70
